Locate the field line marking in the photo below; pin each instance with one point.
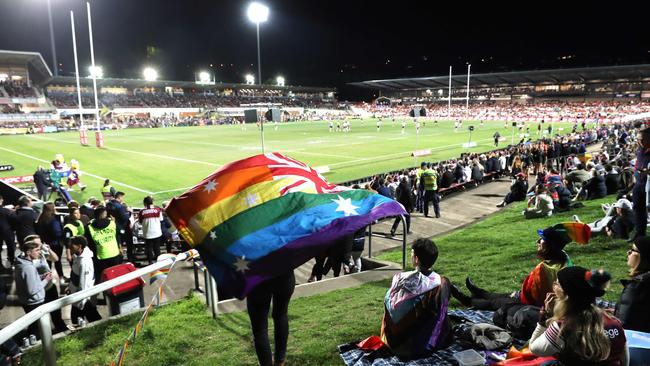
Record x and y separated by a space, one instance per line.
82 171
173 190
138 152
397 154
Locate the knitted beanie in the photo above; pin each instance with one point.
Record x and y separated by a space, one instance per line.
581 285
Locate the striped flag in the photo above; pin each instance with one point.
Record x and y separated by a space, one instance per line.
258 217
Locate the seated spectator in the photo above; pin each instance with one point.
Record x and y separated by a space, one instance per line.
573 329
550 249
595 186
542 204
559 193
517 192
632 308
618 221
575 179
612 179
447 178
477 171
415 322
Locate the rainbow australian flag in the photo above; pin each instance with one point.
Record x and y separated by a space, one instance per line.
259 217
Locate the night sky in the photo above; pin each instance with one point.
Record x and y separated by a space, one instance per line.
329 43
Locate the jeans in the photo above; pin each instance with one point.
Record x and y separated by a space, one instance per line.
279 290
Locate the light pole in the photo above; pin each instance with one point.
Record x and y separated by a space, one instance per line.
49 15
258 13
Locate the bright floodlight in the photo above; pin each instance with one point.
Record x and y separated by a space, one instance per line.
258 13
250 79
279 80
204 76
150 74
96 71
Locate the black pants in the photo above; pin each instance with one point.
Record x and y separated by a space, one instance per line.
493 301
153 248
640 210
278 289
57 321
317 270
407 218
89 312
58 266
9 239
431 196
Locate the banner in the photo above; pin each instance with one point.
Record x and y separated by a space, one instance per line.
18 179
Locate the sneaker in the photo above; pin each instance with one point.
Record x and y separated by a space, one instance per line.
575 218
392 233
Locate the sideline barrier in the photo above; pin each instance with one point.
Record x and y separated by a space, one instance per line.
42 313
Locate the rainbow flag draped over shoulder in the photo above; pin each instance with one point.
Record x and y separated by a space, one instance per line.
258 217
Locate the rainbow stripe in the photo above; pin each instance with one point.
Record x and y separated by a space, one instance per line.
256 213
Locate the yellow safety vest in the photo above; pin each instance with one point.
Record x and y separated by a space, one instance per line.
76 229
105 240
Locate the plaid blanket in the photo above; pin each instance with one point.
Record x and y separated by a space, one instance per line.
353 356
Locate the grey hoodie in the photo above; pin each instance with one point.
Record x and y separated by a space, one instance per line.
29 286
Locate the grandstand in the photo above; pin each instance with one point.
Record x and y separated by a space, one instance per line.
31 97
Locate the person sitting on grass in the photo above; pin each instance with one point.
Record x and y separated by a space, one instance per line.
618 222
542 204
632 308
415 322
573 329
550 249
518 190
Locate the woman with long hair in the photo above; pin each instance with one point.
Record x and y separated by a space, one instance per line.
50 229
632 308
573 329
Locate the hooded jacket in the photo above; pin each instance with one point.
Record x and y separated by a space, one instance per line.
30 288
82 275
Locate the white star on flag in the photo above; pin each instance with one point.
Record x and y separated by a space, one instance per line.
251 199
210 186
345 205
213 235
241 264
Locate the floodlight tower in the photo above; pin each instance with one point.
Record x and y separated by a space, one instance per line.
258 13
99 137
52 42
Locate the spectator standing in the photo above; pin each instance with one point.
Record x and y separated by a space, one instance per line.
82 277
430 185
150 217
403 195
7 236
34 285
101 236
42 183
25 219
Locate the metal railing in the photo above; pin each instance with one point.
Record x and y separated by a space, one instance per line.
42 313
404 232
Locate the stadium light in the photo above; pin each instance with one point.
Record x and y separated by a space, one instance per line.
150 74
95 71
3 77
250 79
258 13
279 80
204 77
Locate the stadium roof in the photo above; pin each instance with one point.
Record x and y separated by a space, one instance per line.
558 76
39 71
140 83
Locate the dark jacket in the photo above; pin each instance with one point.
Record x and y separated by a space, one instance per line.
7 221
404 195
612 181
596 187
42 180
119 212
477 174
632 308
25 221
447 179
50 232
518 190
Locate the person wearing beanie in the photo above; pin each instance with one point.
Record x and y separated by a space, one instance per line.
632 307
550 249
573 329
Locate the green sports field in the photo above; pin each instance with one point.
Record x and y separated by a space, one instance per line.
163 162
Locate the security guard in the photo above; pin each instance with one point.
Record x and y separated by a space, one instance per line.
74 227
101 236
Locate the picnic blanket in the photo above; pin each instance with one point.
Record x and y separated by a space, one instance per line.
353 356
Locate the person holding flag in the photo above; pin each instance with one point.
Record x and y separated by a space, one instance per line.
254 220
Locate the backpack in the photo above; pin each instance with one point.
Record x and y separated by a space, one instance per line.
519 319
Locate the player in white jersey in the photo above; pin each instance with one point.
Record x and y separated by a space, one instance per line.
331 126
378 125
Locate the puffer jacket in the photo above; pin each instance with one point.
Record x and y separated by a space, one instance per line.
632 308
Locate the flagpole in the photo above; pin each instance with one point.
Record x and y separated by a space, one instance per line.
262 131
449 101
76 68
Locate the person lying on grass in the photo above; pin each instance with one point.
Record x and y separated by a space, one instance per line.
415 322
550 249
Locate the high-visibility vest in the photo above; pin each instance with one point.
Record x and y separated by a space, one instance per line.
76 229
105 240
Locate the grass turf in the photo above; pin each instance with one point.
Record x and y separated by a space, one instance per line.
498 252
163 162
